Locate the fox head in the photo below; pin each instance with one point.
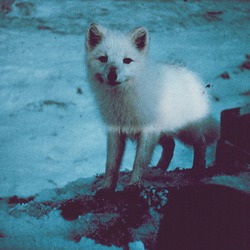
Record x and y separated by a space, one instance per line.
114 58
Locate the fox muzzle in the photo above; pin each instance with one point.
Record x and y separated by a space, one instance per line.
112 77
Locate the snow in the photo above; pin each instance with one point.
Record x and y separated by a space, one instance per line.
48 231
50 130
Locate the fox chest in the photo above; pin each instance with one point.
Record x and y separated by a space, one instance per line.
126 111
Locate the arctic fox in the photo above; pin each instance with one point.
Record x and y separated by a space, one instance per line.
145 101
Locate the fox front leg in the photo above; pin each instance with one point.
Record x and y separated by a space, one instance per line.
145 148
115 151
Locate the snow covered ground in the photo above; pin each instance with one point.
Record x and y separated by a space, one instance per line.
50 131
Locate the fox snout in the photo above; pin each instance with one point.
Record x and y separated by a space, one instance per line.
112 77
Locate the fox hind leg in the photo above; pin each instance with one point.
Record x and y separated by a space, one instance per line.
199 161
168 145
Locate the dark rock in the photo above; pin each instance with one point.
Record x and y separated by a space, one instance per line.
225 75
15 200
245 65
216 98
214 12
79 91
119 212
208 217
6 6
213 15
72 209
43 27
26 8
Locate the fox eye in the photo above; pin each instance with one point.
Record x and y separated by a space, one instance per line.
103 59
127 60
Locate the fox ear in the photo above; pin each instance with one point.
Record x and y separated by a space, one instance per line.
94 36
139 38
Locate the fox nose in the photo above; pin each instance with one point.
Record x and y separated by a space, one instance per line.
112 76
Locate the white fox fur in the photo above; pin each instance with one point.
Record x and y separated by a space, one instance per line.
145 101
